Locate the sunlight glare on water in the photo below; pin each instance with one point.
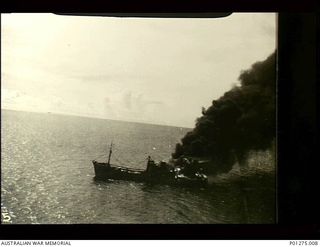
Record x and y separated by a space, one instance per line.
47 175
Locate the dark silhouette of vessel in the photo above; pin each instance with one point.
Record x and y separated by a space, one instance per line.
156 172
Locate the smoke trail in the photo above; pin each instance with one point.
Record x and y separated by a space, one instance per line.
243 119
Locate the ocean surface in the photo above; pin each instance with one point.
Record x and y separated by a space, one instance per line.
47 176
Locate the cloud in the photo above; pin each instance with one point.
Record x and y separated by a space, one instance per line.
162 62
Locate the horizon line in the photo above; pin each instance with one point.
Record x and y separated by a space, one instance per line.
94 117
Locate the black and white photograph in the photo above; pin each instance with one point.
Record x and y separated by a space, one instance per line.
131 120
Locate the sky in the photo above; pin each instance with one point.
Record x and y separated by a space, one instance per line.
159 71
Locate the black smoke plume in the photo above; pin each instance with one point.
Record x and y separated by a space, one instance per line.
240 121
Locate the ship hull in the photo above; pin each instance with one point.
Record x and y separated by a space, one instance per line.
103 171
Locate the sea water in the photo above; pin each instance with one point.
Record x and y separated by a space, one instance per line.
47 176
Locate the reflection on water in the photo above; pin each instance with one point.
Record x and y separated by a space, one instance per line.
47 176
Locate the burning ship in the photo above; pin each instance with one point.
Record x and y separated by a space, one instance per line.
172 173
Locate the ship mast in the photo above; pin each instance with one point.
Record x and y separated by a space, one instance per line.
110 152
